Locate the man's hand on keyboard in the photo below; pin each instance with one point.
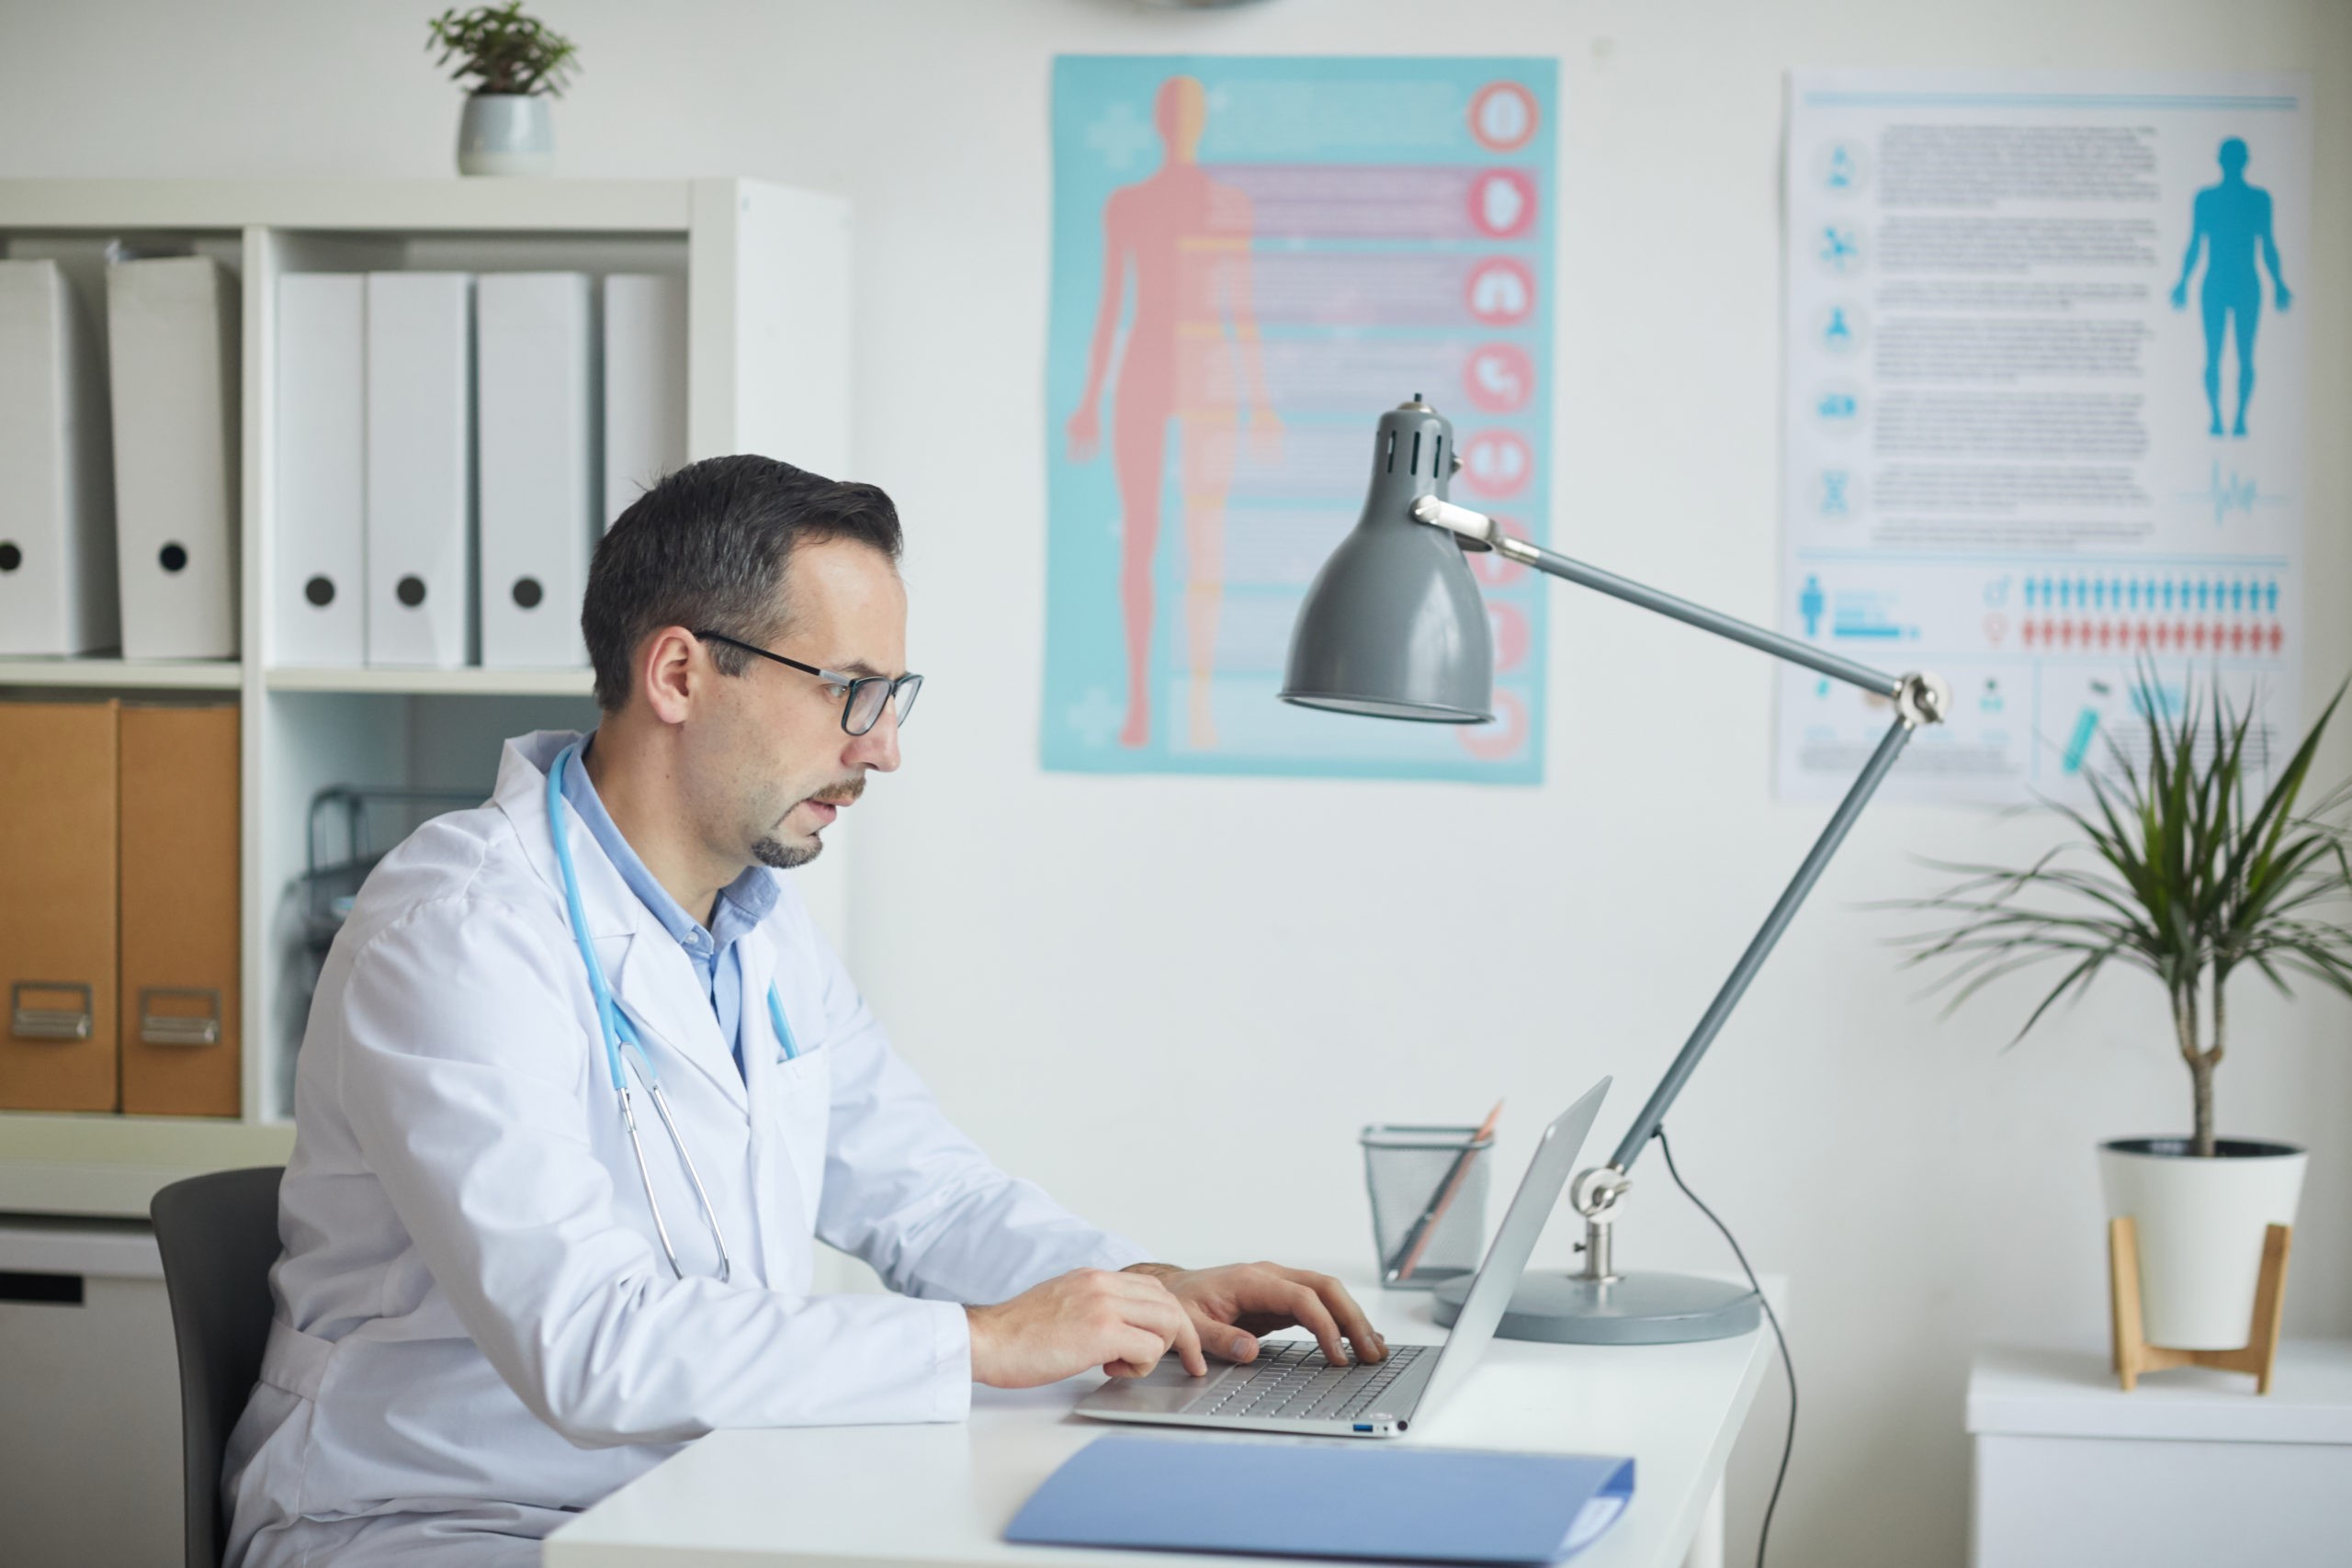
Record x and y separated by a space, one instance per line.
1258 1298
1089 1318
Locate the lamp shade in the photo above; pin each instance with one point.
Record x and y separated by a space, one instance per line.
1395 626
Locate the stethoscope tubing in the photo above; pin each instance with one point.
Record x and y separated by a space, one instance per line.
619 1035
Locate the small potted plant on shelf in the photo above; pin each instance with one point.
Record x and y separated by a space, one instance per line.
2180 871
516 63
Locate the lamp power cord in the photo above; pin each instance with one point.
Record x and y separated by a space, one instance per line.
1788 1444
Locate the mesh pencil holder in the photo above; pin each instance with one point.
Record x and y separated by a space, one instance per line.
1406 1169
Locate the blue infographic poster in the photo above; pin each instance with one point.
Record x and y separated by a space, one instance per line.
1253 259
2044 413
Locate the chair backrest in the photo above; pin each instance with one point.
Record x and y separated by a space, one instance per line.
218 1235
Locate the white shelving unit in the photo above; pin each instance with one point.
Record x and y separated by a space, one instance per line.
435 682
125 674
767 272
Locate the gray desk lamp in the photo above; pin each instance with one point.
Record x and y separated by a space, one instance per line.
1395 628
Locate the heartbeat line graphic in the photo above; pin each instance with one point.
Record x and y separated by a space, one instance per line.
2230 494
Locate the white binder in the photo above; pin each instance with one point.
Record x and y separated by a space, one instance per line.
645 384
536 381
420 469
57 581
172 363
318 579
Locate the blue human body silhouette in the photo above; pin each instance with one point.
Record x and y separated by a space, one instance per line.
2232 219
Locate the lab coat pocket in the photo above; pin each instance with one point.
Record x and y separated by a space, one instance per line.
804 1087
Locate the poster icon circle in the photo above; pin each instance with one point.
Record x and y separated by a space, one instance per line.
1498 377
1502 116
1839 326
1839 249
1503 738
1840 168
1502 203
1837 407
1513 636
1837 495
1500 293
1497 462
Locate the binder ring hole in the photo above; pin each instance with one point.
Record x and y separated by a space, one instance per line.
173 556
410 592
320 590
11 558
527 592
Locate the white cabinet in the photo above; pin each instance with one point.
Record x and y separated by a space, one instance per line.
2192 1468
90 1447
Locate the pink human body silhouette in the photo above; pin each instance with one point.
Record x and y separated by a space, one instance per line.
1186 238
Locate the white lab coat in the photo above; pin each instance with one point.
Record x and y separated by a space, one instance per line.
476 1329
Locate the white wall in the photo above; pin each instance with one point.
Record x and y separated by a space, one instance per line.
1175 1000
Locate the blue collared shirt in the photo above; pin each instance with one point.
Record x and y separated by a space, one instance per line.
743 903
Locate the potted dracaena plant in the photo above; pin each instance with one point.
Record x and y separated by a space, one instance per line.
2184 871
516 63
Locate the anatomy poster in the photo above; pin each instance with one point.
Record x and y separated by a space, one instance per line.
2044 410
1253 259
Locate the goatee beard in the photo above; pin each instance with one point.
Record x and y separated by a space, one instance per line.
783 857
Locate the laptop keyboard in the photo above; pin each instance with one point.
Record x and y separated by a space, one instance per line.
1291 1381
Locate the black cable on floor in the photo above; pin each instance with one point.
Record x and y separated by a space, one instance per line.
1788 1444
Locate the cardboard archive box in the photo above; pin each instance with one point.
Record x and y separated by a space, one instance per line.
179 995
58 796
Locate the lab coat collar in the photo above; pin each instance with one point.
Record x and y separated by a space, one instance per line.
521 794
656 987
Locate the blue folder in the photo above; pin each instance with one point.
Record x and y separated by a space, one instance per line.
1335 1499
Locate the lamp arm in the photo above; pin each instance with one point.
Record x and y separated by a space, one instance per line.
1918 700
1480 530
1759 947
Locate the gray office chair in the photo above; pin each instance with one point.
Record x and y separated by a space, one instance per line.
218 1235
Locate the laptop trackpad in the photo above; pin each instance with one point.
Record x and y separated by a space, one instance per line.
1166 1389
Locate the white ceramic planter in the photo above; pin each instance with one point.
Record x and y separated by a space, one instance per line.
2201 1225
507 133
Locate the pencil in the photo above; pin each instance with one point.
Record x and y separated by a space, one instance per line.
1417 1240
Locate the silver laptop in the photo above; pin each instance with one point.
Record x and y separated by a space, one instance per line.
1290 1387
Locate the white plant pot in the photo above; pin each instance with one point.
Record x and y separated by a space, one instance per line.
2202 1225
507 133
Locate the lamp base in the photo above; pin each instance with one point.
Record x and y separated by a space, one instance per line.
1633 1309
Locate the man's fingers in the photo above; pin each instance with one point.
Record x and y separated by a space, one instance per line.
1352 1321
1187 1343
1221 1338
1306 1308
1148 1306
1134 1351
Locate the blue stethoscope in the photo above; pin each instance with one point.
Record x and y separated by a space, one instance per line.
620 1041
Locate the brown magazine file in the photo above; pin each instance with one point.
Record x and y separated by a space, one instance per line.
57 905
179 1006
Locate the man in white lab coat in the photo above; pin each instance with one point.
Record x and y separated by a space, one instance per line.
490 1313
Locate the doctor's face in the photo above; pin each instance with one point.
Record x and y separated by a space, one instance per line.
784 766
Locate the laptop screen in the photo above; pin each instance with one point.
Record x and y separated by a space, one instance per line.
1506 1259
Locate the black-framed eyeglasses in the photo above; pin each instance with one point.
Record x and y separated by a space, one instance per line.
864 696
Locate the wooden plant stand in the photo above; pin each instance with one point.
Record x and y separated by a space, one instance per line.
2134 1355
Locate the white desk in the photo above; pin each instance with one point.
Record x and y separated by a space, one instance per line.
870 1496
2190 1468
